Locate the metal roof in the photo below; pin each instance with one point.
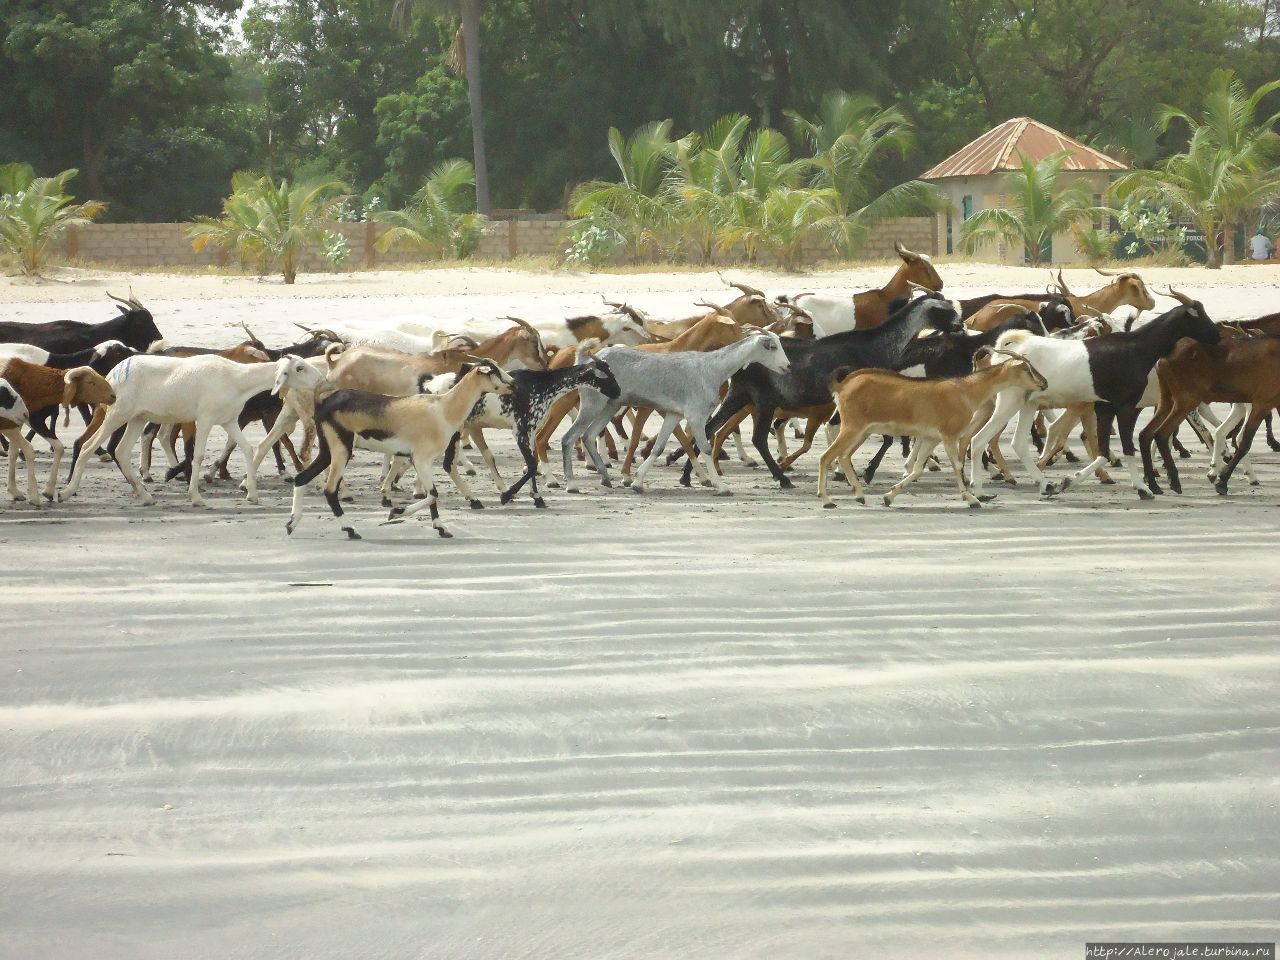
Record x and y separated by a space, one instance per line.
998 149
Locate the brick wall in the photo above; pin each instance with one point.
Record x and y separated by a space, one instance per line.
537 235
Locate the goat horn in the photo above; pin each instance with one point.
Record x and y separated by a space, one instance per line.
921 286
798 311
744 287
1106 273
1062 285
252 338
1182 298
716 307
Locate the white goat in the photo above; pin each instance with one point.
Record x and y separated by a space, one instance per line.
206 390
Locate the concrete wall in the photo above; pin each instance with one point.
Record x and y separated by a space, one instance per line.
536 235
988 192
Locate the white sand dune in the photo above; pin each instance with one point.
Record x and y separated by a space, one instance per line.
633 727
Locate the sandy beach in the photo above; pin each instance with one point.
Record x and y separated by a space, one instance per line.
668 726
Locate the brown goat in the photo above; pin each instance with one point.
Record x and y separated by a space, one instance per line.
41 388
1233 370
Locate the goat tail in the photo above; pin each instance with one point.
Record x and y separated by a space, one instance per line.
331 353
584 349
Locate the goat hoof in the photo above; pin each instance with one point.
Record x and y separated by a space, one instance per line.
1106 481
470 471
637 488
606 482
444 534
1052 491
1221 487
503 498
885 500
1175 486
722 492
540 503
477 505
290 527
975 505
553 484
386 501
1069 456
395 512
1155 488
685 481
1184 455
784 483
1009 481
1255 483
828 505
351 534
419 496
1145 494
861 500
348 499
986 498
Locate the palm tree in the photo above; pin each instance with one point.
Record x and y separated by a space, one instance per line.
469 40
1039 209
441 216
764 168
638 207
848 136
271 223
36 211
1228 170
704 171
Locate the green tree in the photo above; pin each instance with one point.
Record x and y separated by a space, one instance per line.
441 218
36 211
84 77
1039 209
638 207
849 137
271 223
1229 169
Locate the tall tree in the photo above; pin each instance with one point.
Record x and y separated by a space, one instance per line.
469 39
80 74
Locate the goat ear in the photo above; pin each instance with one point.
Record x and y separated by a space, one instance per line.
70 381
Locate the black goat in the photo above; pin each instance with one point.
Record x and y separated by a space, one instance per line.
812 362
134 327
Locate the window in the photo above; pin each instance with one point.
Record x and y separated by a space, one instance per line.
966 206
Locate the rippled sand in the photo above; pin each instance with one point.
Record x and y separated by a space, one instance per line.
669 726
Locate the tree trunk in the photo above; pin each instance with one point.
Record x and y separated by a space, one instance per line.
1214 261
471 46
92 157
1228 242
289 268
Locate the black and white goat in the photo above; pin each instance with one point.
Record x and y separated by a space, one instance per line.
1111 371
521 411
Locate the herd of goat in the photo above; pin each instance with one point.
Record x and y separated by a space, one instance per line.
901 361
